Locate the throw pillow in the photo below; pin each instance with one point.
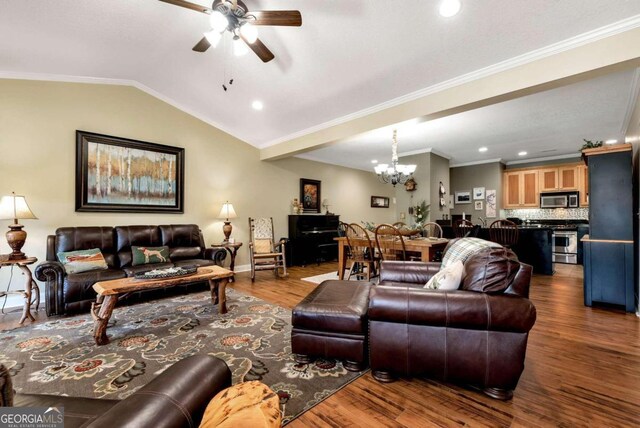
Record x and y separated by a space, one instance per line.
247 404
82 260
448 278
149 255
463 248
262 246
491 270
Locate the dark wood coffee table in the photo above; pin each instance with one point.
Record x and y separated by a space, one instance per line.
110 291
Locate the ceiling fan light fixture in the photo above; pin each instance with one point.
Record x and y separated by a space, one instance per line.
239 47
218 21
449 8
249 32
213 37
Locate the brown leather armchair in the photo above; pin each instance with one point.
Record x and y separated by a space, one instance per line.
476 335
176 398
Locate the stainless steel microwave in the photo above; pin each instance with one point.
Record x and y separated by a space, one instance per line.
559 200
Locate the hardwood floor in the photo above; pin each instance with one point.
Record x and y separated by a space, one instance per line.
582 368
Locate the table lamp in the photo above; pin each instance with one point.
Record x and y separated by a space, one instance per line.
14 207
226 213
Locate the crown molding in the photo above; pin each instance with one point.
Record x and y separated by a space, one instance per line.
547 158
481 162
47 77
535 55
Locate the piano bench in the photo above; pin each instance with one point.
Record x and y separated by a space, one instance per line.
326 252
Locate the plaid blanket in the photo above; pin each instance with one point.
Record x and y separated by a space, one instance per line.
463 248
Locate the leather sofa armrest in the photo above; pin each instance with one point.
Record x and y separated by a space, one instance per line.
178 397
52 274
217 254
408 272
453 309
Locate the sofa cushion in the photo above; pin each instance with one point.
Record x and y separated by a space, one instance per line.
194 262
82 260
78 412
149 255
183 253
448 278
86 238
491 270
79 286
181 235
463 248
128 236
133 270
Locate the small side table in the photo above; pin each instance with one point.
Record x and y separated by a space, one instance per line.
232 249
30 286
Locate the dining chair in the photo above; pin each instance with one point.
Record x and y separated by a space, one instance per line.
264 252
432 230
390 243
504 232
361 252
399 224
462 227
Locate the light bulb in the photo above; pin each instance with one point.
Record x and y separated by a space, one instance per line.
213 37
449 8
239 47
218 21
257 105
249 32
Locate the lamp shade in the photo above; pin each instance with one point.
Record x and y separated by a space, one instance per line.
14 207
227 211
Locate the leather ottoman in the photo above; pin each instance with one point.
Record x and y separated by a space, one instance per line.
331 322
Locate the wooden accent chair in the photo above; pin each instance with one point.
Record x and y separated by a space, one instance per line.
461 228
432 230
504 232
390 243
265 252
361 256
399 224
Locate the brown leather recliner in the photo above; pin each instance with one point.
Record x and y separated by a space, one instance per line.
176 398
476 335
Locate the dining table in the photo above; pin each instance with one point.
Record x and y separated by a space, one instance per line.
426 247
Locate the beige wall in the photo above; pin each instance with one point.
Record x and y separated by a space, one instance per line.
440 172
465 178
422 193
38 121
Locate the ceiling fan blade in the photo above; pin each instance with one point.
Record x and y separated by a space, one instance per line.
188 5
260 49
291 18
202 45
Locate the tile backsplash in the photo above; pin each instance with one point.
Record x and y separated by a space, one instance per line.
548 214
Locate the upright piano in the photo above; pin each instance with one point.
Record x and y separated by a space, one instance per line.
311 238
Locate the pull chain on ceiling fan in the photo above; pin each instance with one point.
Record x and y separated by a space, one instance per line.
234 16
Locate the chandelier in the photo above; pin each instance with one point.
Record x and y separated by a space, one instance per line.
394 173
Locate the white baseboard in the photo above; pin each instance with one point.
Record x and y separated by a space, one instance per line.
242 268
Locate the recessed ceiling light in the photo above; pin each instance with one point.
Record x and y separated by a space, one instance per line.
523 153
449 8
257 105
482 149
374 161
611 141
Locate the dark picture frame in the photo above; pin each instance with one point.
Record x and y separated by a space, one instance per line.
310 195
115 174
379 202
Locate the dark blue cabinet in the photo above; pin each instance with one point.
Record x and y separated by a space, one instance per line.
609 262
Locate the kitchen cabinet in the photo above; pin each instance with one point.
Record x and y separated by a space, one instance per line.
558 178
583 185
521 189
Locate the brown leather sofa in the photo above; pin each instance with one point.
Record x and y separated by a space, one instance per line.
176 398
476 335
73 293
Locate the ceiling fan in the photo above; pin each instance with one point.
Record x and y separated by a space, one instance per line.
234 16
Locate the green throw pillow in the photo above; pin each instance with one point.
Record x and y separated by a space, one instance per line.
149 255
82 260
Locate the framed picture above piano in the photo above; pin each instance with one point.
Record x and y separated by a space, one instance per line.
310 195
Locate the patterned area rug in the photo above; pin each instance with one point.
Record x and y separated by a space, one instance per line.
254 338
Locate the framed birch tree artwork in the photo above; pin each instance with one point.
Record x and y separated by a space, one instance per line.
116 174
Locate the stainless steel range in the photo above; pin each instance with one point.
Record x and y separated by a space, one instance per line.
565 246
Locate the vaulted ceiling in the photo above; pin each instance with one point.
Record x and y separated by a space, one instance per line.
347 56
